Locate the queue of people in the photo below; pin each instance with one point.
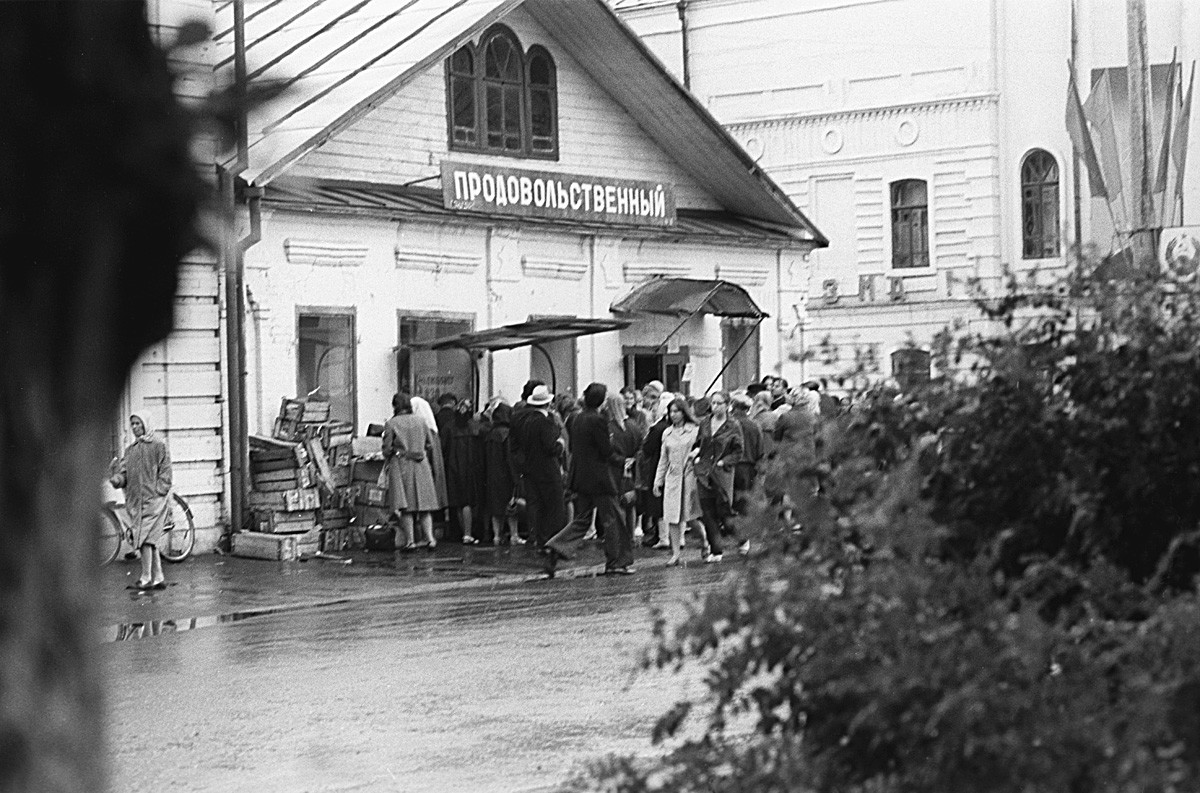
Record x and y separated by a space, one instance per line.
611 465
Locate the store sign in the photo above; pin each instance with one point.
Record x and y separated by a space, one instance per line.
510 191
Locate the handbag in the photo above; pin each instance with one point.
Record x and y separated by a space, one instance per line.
516 504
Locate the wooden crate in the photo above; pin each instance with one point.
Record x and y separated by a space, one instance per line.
277 547
273 521
370 495
367 470
292 409
315 411
293 500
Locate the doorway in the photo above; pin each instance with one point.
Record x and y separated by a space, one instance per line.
643 364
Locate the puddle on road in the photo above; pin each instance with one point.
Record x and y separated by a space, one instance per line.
148 629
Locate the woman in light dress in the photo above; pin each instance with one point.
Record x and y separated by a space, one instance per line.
411 448
675 479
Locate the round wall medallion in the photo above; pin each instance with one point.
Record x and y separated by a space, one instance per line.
907 132
831 140
754 147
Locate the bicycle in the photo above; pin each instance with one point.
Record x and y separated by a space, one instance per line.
179 537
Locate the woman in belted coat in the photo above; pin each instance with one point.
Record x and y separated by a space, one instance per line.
412 451
719 445
675 479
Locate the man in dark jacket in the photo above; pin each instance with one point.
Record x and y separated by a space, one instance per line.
595 491
752 451
537 438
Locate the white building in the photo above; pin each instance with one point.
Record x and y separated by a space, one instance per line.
441 168
926 138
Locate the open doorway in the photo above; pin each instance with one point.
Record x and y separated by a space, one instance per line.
643 364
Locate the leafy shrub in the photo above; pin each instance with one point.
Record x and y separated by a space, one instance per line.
982 597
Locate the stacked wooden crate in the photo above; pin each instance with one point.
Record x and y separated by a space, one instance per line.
285 497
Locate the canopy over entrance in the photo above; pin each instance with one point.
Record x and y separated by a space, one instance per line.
686 297
524 334
533 333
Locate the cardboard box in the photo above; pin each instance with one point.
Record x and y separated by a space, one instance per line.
365 447
277 547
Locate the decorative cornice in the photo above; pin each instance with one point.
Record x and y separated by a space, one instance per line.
334 254
554 268
435 261
746 275
882 111
636 272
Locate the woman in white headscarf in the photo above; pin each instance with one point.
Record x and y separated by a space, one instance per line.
145 474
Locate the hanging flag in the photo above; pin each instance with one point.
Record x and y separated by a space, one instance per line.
1164 151
1081 138
1179 141
1099 112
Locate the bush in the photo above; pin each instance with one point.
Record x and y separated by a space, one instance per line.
983 597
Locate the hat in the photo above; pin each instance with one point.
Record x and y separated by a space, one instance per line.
540 397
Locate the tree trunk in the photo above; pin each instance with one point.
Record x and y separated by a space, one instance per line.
97 205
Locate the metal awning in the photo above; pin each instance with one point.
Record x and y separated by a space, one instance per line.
523 334
686 297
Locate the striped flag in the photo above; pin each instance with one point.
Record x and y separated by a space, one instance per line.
1081 138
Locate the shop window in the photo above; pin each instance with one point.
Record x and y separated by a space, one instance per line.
430 373
910 224
910 368
556 363
1039 206
740 349
325 360
502 100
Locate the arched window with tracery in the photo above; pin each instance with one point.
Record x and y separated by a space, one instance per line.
1039 206
502 100
911 367
503 86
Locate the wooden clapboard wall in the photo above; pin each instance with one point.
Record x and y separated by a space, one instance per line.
177 386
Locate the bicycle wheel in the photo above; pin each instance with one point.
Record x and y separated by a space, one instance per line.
180 536
108 540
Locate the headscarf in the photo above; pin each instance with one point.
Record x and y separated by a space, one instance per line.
762 403
660 409
424 411
149 436
613 409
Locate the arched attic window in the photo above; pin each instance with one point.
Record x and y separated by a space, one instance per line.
502 100
1039 206
542 79
503 88
462 90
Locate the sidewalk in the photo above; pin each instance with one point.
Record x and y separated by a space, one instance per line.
215 587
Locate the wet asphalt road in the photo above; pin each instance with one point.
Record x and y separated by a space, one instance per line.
476 687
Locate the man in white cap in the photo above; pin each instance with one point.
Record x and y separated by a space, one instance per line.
541 447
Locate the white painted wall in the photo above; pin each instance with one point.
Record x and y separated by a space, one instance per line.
525 270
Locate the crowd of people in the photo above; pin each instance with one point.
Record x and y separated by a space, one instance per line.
612 466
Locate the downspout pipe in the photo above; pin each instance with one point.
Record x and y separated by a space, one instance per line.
233 193
682 8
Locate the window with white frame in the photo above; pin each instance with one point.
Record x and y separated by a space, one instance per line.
910 223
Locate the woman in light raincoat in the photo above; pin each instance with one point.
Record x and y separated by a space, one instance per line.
145 474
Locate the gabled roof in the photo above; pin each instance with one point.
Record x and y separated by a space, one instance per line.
342 58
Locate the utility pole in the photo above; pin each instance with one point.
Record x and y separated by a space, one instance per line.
1143 236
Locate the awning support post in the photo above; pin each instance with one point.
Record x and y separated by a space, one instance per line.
728 361
550 363
698 309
